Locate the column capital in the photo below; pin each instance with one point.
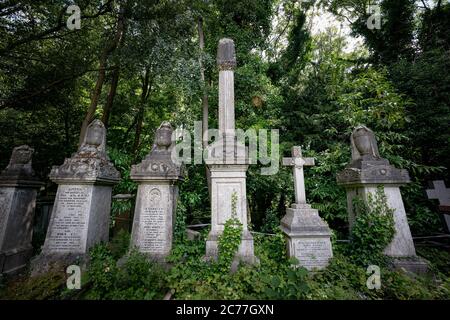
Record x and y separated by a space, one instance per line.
226 55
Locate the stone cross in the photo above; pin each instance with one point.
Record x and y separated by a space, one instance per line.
298 162
439 192
226 62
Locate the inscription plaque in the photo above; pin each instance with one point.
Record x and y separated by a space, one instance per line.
152 230
69 225
312 252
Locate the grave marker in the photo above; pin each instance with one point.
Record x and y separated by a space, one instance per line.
308 236
18 190
81 214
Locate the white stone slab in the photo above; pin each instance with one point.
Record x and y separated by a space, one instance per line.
154 218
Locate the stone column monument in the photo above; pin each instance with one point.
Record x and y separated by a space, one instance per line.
366 171
308 236
154 216
227 161
80 216
18 189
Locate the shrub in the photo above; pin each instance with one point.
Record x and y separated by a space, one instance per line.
373 229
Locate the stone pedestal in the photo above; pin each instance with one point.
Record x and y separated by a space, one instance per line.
362 176
308 237
227 180
80 216
18 189
154 216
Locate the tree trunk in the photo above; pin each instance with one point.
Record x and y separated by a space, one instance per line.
205 102
122 28
101 76
146 88
112 93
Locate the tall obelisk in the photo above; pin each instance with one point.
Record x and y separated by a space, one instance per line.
228 163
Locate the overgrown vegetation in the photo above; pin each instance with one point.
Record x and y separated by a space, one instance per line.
373 229
135 63
191 277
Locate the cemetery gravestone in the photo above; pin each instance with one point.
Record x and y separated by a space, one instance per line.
227 161
154 217
308 236
18 190
441 193
362 176
80 216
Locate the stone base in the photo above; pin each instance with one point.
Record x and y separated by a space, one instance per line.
15 261
245 253
59 262
413 264
308 237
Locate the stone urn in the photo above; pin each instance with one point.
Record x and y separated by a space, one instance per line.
94 136
164 136
363 141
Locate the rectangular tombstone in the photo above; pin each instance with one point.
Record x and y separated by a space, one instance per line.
18 190
154 215
80 216
154 219
79 220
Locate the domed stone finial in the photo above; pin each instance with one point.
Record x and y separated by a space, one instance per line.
226 56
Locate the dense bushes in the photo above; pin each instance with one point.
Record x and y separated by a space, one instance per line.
188 276
372 230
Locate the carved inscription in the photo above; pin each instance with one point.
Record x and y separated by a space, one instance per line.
68 229
312 252
153 231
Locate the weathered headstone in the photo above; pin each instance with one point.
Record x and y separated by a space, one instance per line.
18 190
227 160
154 216
308 236
366 171
80 216
441 193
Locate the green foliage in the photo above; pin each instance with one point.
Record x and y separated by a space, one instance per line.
102 273
272 278
230 239
372 230
137 278
119 244
438 259
43 287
